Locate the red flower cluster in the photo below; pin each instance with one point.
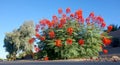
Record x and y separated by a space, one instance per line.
81 42
51 34
31 40
69 41
46 58
91 14
68 10
110 27
63 22
60 11
78 14
37 35
42 38
70 30
106 41
58 43
105 51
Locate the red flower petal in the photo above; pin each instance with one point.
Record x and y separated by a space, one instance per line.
68 10
105 51
81 41
110 27
51 34
58 43
69 41
60 11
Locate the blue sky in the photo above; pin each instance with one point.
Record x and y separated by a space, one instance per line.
14 12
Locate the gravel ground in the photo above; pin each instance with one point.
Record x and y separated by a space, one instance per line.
58 63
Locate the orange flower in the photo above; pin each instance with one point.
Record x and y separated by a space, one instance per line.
78 14
69 41
31 40
58 43
51 34
106 41
68 10
37 35
42 38
46 58
60 11
50 24
81 41
110 27
105 51
70 30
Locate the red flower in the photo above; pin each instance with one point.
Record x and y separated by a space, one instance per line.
88 20
106 41
100 19
62 20
91 14
103 24
58 43
60 25
60 11
70 30
37 35
82 21
110 27
105 51
78 14
72 15
50 24
69 41
42 38
81 41
43 22
54 17
68 10
31 40
51 34
46 58
63 15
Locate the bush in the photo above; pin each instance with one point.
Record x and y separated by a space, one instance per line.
71 36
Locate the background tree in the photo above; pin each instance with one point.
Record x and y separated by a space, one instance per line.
115 27
115 40
17 41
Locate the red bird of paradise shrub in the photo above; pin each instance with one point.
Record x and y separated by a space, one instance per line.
72 36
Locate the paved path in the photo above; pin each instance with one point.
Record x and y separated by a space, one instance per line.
57 63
